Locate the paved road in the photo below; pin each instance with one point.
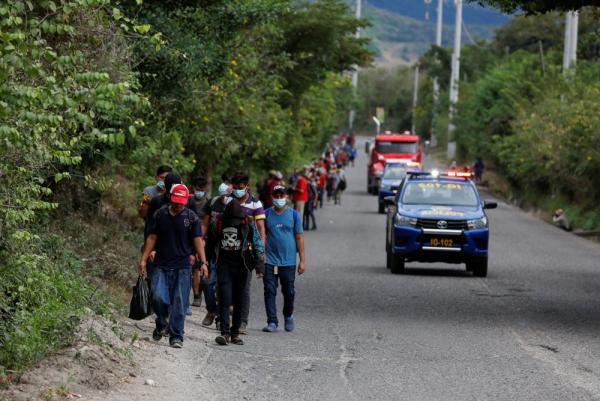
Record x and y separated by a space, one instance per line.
529 331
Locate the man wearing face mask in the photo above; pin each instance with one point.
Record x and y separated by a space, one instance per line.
199 196
161 200
154 190
175 234
253 209
285 239
213 208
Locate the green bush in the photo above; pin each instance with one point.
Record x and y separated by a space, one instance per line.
42 297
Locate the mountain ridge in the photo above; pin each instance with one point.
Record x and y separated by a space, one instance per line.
401 33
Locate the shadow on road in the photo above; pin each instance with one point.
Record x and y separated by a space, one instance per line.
357 192
368 212
430 271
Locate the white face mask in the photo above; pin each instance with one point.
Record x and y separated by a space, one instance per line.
279 203
223 189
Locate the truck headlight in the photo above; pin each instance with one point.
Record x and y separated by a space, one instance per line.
477 223
401 220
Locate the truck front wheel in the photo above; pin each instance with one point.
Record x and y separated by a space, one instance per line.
479 267
397 263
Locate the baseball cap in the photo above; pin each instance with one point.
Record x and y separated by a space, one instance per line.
279 189
180 194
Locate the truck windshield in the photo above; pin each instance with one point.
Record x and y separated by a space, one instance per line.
396 147
394 172
439 193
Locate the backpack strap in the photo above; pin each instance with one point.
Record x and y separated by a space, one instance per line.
219 225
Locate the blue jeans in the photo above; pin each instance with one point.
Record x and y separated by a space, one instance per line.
170 298
209 288
286 275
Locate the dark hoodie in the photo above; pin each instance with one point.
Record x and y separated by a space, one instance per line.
239 234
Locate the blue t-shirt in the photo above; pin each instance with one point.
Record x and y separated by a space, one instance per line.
281 236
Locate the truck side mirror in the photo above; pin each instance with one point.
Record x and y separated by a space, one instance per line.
389 201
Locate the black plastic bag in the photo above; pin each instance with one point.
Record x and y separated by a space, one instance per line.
141 305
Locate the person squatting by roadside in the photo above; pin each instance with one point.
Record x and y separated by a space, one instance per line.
176 235
238 250
285 239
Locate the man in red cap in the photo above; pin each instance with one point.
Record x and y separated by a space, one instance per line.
175 235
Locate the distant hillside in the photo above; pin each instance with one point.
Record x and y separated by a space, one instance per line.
401 32
472 13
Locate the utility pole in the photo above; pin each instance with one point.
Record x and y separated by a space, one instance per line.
436 85
438 42
355 67
567 48
454 77
415 100
574 36
571 35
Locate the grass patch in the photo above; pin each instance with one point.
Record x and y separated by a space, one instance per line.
72 268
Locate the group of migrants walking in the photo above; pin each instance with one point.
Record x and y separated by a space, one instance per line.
322 180
213 246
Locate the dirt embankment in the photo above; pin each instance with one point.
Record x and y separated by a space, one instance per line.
120 362
101 357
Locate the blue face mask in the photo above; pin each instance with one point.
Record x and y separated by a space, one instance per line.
279 203
199 194
239 193
223 189
160 185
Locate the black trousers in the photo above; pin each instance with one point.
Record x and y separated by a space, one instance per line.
231 279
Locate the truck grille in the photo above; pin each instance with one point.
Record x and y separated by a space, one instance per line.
452 224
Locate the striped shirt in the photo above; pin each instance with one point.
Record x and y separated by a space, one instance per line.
253 208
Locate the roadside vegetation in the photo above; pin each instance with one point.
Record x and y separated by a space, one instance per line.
537 127
95 94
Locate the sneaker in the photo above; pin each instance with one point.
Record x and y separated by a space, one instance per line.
244 328
188 312
197 301
270 328
209 319
157 335
223 339
176 343
289 323
237 341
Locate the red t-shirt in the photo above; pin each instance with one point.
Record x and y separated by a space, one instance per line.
301 191
271 183
322 181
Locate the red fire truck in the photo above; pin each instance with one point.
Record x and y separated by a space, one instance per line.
391 148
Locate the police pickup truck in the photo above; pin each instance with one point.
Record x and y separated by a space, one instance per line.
437 218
